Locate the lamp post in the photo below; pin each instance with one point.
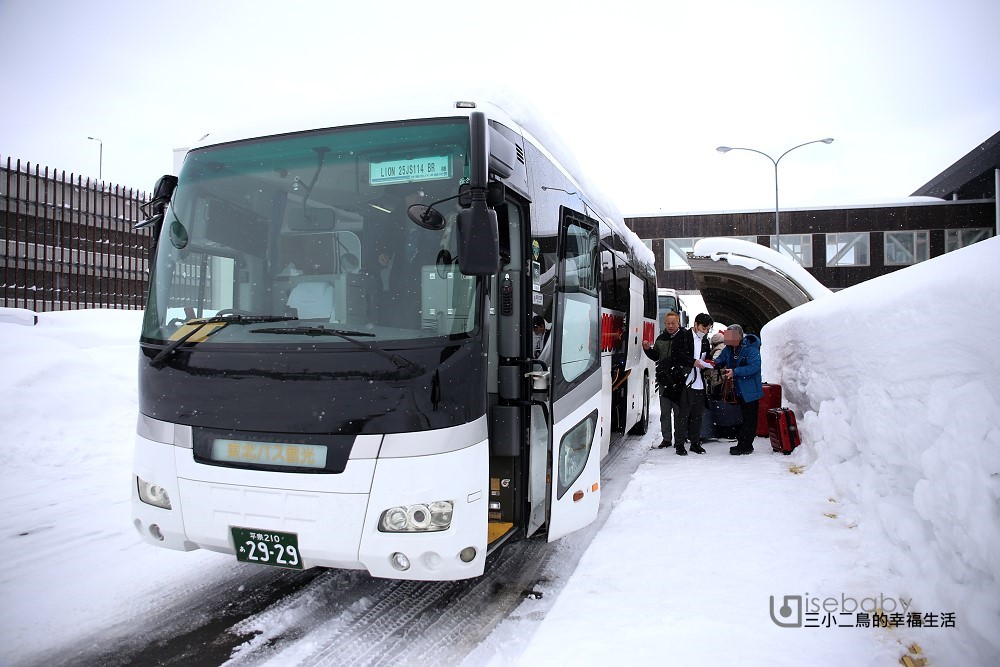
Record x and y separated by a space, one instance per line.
777 225
100 158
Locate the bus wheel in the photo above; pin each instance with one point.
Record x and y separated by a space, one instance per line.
642 425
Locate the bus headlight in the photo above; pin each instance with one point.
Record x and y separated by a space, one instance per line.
152 494
418 518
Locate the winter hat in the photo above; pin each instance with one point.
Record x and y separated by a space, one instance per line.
717 338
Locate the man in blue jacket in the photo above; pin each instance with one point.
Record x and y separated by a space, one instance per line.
741 361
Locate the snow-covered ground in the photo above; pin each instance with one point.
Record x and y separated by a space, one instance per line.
893 501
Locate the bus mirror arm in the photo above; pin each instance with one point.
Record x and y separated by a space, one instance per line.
163 191
478 239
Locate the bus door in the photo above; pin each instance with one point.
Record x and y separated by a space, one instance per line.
520 405
638 397
636 309
574 396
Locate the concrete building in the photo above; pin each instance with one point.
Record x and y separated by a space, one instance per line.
842 246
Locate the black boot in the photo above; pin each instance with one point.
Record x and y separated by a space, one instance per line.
739 451
680 450
697 449
664 445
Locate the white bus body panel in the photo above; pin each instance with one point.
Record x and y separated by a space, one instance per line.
604 429
461 476
334 516
568 515
635 353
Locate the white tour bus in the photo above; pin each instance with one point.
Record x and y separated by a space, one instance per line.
338 365
668 300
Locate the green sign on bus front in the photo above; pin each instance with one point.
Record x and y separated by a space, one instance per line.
431 168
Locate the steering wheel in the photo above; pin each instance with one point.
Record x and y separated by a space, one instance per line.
232 311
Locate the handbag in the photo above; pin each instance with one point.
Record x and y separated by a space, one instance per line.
729 391
725 414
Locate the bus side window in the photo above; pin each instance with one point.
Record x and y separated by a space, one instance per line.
579 331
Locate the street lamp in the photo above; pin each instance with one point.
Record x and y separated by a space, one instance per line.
100 158
777 225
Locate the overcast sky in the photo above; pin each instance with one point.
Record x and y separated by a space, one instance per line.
643 92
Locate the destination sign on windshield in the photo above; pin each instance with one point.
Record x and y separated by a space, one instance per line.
432 168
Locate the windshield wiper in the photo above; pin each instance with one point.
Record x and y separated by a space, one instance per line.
318 330
224 320
396 359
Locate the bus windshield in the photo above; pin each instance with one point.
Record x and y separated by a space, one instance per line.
310 231
666 303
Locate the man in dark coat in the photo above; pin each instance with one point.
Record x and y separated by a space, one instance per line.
673 353
692 399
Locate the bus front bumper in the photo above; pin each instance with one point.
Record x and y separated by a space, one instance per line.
334 517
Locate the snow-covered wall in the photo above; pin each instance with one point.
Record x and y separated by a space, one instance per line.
900 410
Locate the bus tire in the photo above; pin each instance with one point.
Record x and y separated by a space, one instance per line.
642 425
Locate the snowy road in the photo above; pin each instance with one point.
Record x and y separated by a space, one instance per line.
255 616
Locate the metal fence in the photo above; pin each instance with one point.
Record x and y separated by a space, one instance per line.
68 242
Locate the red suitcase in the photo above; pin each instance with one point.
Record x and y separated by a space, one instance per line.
783 431
770 401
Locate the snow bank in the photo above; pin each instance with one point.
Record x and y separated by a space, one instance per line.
901 410
75 564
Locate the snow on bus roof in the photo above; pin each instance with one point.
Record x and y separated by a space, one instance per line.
537 129
423 102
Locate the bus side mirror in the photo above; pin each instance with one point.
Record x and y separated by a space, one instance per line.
162 192
478 240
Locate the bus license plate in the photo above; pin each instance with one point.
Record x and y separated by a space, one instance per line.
267 547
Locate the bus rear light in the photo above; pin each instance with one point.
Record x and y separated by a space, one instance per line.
577 496
418 518
152 494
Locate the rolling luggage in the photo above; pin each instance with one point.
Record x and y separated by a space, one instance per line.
770 400
782 429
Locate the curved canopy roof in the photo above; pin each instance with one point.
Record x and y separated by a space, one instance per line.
748 284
